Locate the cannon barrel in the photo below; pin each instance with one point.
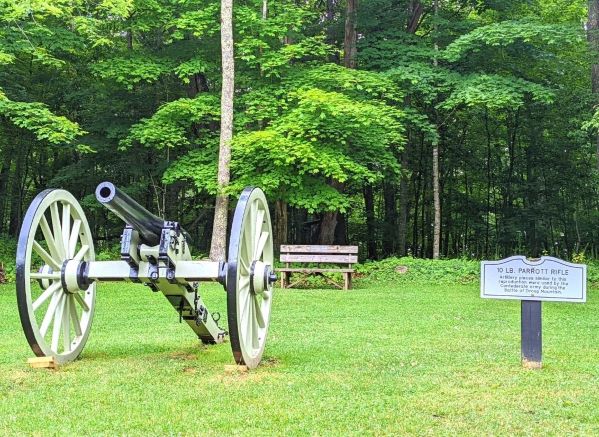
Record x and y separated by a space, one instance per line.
124 207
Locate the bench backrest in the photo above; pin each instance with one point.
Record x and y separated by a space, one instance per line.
319 254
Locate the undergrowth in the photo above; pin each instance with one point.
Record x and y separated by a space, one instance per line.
406 269
409 269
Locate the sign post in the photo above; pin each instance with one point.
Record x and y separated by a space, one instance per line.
531 337
532 282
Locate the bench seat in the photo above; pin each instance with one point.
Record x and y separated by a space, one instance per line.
314 269
341 256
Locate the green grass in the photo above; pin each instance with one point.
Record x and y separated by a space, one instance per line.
387 359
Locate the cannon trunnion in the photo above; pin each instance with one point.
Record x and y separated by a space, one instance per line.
57 273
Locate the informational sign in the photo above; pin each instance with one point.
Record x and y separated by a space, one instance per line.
545 279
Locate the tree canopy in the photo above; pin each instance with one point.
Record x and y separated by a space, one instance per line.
130 91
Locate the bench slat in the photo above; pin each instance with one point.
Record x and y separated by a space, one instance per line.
313 270
335 259
319 249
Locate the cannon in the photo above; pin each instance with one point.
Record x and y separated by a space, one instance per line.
57 272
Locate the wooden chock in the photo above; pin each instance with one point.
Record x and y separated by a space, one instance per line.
235 368
43 363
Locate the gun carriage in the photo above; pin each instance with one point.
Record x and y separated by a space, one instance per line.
57 273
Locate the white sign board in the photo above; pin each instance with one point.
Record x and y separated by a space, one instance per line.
547 279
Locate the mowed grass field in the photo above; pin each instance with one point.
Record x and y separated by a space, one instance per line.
380 359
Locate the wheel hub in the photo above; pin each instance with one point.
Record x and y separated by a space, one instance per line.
69 276
45 270
261 277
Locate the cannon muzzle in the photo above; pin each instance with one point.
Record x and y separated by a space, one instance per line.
124 207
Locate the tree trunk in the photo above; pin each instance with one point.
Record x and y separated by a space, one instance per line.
389 231
219 228
281 220
351 36
4 182
488 207
329 219
370 222
437 204
436 187
16 194
328 223
404 208
415 12
593 38
341 230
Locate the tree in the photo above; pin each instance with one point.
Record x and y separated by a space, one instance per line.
219 228
593 37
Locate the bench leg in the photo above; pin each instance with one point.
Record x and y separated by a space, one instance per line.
285 279
346 281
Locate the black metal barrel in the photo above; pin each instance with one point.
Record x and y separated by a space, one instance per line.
147 224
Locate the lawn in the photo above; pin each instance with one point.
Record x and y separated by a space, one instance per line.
410 358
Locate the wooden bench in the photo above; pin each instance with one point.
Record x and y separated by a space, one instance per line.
342 256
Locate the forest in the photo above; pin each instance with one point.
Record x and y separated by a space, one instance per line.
435 129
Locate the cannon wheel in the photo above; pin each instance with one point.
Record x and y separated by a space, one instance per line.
56 323
249 312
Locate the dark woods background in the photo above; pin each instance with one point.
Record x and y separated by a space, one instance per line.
342 110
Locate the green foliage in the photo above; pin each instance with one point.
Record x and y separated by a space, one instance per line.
200 21
8 249
407 269
198 166
324 136
507 33
38 119
500 87
356 84
132 70
172 124
424 80
496 92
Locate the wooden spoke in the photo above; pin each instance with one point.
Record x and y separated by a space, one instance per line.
66 228
81 253
57 229
244 282
46 294
261 243
66 325
244 264
249 325
259 315
52 276
57 322
74 238
257 233
255 329
45 256
247 244
49 237
49 313
245 306
74 316
81 301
